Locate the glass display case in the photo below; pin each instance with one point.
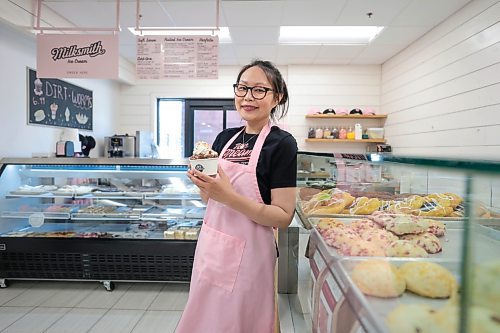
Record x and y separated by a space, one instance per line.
408 245
97 219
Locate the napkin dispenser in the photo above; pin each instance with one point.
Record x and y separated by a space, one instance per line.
65 149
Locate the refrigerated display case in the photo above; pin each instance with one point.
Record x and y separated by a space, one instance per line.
462 196
97 219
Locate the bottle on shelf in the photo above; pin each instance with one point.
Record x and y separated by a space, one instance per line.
358 132
350 133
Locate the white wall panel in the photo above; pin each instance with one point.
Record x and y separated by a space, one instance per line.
309 86
442 94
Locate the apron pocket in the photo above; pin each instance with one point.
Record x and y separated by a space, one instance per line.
218 257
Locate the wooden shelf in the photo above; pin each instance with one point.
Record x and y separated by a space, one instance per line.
347 116
347 140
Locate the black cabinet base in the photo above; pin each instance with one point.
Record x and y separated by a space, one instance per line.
96 259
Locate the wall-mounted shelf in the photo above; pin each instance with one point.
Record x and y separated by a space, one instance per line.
347 140
346 116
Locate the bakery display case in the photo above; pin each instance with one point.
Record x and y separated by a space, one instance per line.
414 250
97 219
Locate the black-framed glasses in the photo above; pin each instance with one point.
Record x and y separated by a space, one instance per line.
257 92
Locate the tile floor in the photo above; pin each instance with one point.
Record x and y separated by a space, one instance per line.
61 307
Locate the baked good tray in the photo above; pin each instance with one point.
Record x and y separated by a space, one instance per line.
372 311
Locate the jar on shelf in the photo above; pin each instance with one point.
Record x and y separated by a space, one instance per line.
350 133
311 134
342 133
319 133
326 133
335 132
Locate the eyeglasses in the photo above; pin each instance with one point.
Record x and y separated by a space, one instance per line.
257 92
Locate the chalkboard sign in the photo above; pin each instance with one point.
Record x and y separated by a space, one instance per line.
54 102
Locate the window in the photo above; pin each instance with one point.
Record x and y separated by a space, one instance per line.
170 129
182 122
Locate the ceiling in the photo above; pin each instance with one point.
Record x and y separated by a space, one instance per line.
254 24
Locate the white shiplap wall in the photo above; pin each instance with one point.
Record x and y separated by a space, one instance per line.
138 102
442 93
318 87
322 87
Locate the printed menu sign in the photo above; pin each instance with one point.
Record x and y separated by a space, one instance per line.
77 56
179 57
58 103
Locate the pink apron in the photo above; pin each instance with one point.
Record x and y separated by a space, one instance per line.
232 285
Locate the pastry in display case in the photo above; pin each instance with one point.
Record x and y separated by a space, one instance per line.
97 219
401 269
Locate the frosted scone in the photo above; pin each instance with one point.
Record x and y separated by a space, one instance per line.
429 279
378 278
427 241
402 225
204 159
404 248
436 227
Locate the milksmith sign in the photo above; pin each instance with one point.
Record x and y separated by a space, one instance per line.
77 56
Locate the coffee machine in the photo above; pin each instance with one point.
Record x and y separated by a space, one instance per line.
120 145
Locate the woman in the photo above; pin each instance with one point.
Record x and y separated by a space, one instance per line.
232 285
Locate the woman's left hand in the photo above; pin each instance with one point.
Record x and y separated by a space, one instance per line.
217 188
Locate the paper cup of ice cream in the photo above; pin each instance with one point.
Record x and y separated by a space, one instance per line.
204 159
207 166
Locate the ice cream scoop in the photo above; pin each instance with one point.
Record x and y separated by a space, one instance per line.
202 150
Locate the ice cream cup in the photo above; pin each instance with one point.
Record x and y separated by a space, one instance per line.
207 166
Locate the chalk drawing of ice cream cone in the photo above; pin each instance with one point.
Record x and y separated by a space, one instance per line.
53 109
67 113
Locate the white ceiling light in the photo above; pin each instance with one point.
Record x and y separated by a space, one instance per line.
223 33
328 35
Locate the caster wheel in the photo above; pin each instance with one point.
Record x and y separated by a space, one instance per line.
109 285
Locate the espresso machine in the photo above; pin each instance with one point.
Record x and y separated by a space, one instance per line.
120 145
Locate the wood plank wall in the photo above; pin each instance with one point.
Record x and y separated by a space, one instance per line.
442 93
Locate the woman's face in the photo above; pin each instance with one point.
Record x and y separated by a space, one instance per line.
252 110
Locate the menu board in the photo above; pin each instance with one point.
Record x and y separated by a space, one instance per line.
54 102
177 57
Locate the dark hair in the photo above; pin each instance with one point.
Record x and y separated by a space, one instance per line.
279 85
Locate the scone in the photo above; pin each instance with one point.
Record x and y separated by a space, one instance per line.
325 224
381 218
341 237
378 278
480 320
381 238
437 228
411 318
363 224
361 248
407 225
427 241
486 286
429 279
404 248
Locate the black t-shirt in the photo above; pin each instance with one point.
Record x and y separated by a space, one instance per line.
277 165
